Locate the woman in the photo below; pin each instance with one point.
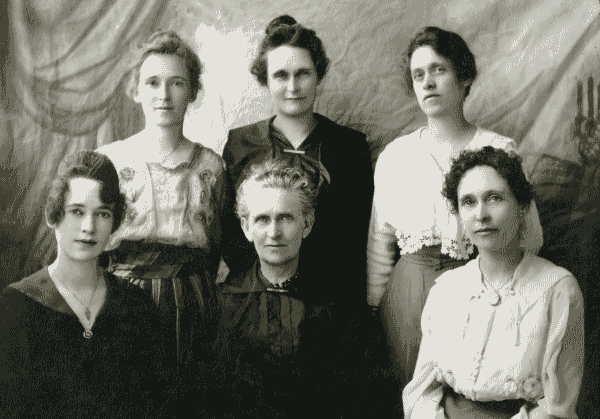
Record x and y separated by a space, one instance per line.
502 336
291 63
169 242
74 342
277 341
408 210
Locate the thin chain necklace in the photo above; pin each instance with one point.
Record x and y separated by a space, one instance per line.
88 313
494 297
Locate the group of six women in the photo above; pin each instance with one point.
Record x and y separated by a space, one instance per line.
154 214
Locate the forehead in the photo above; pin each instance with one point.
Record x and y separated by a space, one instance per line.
165 65
481 179
272 201
426 55
84 191
288 58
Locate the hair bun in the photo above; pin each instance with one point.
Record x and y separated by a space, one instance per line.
283 20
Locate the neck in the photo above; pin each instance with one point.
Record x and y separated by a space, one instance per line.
452 128
161 141
77 275
277 274
296 128
499 267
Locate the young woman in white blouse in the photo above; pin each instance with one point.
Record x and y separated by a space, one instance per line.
409 212
502 336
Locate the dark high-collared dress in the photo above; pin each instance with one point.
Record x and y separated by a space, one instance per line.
280 353
339 163
48 369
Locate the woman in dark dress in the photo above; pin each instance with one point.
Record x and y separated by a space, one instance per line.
291 63
74 341
278 340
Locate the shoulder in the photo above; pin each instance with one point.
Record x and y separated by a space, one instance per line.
131 297
209 159
546 276
343 134
462 280
491 138
406 146
239 281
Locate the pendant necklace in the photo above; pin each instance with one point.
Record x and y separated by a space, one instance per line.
494 297
88 314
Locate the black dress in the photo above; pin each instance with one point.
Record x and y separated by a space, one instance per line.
280 352
49 369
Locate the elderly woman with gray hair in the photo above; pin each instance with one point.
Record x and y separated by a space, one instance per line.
278 342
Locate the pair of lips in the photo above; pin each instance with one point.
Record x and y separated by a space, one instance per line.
486 230
88 242
429 96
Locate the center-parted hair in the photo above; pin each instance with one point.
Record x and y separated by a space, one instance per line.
449 45
276 173
168 43
284 30
508 165
91 165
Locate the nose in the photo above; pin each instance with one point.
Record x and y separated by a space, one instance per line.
292 84
429 82
482 212
274 230
88 224
164 91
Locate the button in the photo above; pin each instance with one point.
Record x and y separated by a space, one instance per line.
449 376
88 334
510 386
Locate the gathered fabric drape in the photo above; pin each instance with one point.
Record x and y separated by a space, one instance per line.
64 78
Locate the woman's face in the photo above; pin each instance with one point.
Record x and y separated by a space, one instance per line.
86 226
292 80
435 84
163 89
488 209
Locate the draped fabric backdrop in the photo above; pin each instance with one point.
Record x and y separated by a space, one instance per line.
64 66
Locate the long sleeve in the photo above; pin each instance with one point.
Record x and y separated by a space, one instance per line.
238 253
381 246
423 395
563 360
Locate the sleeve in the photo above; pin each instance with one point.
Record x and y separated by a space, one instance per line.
217 233
422 397
13 362
352 226
381 246
238 253
563 361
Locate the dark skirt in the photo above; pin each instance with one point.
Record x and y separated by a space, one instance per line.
184 292
403 303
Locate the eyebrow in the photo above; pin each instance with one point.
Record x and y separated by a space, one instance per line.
430 65
102 207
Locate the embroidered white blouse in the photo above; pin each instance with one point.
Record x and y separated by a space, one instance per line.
409 208
177 206
530 346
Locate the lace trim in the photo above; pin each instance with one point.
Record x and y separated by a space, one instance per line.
455 248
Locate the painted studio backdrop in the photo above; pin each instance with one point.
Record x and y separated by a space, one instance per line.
539 83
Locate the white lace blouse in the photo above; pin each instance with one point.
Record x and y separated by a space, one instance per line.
177 206
408 206
530 346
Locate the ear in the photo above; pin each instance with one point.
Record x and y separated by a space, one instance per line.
136 95
466 83
309 221
246 228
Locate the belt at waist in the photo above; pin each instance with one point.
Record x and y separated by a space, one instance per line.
152 260
458 406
